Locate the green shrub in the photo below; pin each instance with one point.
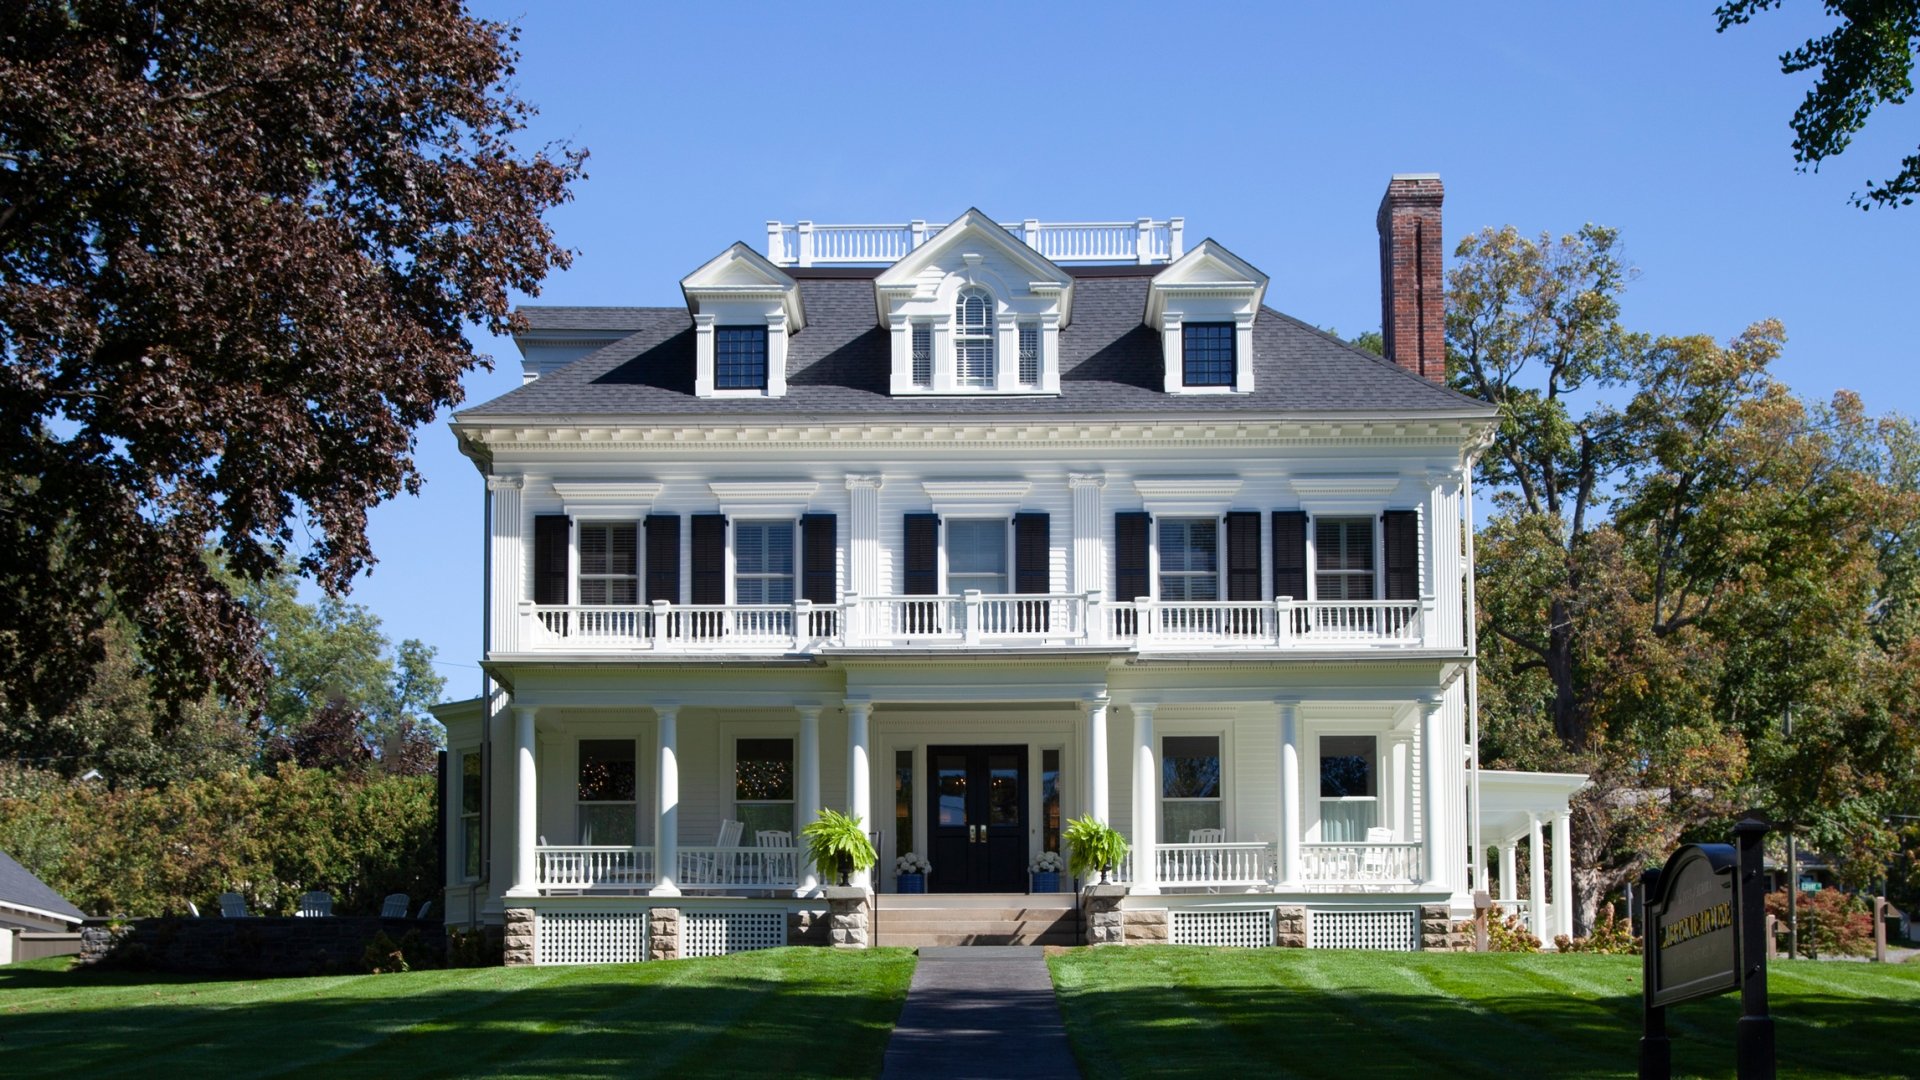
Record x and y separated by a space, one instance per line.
1509 933
1611 936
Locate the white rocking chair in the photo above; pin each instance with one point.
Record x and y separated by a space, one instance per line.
779 864
703 871
1206 864
315 905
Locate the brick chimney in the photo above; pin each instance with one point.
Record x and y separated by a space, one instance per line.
1413 298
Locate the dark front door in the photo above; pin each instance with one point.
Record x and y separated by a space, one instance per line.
977 816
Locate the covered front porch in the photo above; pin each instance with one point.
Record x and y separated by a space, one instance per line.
1518 808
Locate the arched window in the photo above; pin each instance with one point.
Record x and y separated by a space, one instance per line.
973 338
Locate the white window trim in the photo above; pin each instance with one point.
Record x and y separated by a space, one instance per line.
1381 753
1214 728
639 556
1313 549
1219 551
946 538
460 813
731 734
733 559
639 771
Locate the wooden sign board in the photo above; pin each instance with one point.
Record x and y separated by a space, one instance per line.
1692 926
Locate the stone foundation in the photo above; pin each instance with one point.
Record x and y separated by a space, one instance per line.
519 940
1290 926
1145 927
256 946
808 928
1439 932
849 914
663 933
1105 922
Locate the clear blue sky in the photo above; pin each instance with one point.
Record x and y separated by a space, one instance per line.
1271 131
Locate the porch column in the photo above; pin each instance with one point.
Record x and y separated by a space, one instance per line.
1433 793
1536 880
1097 758
806 789
859 789
1509 871
1146 799
1288 841
526 805
666 823
1563 873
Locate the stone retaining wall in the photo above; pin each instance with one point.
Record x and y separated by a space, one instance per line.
1104 921
252 946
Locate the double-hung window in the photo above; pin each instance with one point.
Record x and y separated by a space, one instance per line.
1189 785
605 793
1343 559
1349 795
1207 350
1029 356
763 562
977 555
1189 559
973 345
763 786
739 358
470 783
922 356
609 563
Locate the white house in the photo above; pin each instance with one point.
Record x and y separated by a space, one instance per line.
968 529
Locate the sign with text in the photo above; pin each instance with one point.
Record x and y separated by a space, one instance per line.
1692 926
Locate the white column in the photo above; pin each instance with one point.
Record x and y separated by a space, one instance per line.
1536 880
1563 873
1509 874
1097 758
859 789
507 577
666 828
863 535
806 789
1433 798
526 805
1291 811
1399 789
1146 801
1089 556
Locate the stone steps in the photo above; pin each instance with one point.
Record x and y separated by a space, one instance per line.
974 921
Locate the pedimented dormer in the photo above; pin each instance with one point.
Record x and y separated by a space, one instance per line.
744 308
974 310
1204 305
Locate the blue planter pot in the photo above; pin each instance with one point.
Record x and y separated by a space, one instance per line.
911 883
1046 881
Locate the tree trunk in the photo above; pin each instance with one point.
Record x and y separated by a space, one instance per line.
1568 724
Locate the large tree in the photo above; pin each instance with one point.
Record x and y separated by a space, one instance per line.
1864 62
239 245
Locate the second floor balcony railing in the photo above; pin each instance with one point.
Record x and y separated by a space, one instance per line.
973 619
1143 241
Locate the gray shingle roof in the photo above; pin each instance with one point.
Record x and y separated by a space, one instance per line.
20 888
840 364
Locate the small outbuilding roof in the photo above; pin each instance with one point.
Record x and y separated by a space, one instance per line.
20 889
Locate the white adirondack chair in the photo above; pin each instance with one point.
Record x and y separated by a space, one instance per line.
702 871
315 905
1373 860
394 906
1206 864
784 864
424 908
233 906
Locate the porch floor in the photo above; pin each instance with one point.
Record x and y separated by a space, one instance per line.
1030 901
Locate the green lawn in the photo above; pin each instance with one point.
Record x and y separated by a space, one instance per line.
791 1012
1213 1012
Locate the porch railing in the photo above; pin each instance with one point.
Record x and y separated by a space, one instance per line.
1220 865
739 867
1360 864
586 867
976 619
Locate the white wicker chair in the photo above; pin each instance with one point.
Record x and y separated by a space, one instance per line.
315 905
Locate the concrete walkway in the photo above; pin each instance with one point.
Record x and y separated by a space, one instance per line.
980 1011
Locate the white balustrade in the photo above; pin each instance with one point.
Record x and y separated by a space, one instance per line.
975 619
1143 240
1230 865
1360 864
590 866
739 867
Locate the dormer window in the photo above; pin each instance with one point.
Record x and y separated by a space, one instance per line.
744 309
973 339
1208 353
740 358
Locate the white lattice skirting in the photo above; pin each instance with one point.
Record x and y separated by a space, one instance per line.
1241 929
1394 931
717 933
590 937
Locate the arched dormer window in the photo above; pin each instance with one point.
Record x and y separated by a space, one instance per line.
973 338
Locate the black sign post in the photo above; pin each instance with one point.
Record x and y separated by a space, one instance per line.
1705 934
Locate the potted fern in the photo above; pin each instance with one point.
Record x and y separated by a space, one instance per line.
836 840
1094 847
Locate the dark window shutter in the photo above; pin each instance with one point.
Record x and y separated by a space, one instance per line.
819 576
551 536
923 554
1290 554
1032 559
1243 555
663 558
709 559
1400 535
1130 578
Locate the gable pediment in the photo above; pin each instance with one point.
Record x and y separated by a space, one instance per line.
974 245
741 274
1207 272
